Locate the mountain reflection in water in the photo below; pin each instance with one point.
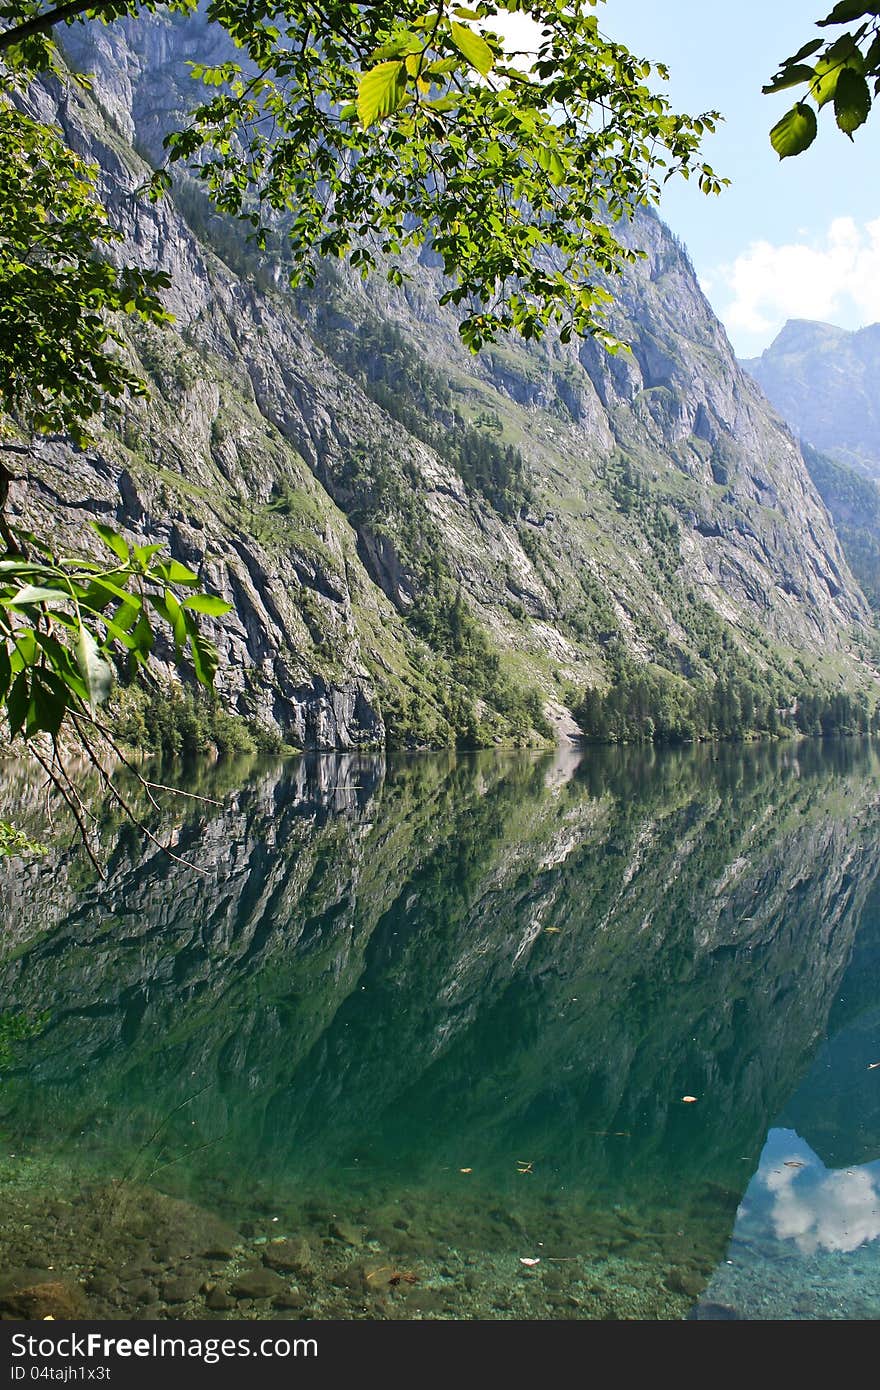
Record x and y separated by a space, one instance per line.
436 1016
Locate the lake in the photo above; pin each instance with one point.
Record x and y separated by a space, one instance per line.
587 1034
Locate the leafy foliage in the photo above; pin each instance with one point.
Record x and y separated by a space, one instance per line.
645 704
59 358
65 620
373 129
842 72
183 723
62 620
14 841
370 129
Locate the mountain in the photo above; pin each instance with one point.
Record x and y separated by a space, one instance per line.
418 544
824 381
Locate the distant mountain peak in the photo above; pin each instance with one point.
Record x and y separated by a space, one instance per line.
824 381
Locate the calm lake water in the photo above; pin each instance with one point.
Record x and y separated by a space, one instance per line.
415 1038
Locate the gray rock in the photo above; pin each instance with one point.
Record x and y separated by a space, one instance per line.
289 1256
219 1302
258 1283
181 1289
347 1233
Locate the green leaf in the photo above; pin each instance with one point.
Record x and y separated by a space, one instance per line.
47 705
143 554
789 77
380 91
94 668
450 102
204 658
847 10
102 591
17 703
402 43
207 603
829 70
26 648
795 132
113 540
5 671
142 635
473 46
119 633
806 52
852 101
168 608
551 162
173 572
21 567
35 593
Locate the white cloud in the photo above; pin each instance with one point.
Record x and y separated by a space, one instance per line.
835 278
824 1209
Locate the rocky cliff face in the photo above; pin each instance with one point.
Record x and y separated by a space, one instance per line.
823 381
303 453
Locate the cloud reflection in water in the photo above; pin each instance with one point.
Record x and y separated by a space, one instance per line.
803 1201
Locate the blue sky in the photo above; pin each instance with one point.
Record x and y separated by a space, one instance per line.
798 238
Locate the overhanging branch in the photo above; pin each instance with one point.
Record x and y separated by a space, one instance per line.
43 22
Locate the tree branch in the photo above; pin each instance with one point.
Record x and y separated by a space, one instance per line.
42 23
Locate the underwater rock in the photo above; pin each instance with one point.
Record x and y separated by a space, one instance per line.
348 1234
258 1283
53 1298
289 1256
290 1298
219 1302
712 1312
686 1281
181 1289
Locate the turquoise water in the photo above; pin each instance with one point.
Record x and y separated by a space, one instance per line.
413 1038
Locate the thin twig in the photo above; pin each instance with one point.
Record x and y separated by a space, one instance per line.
83 829
126 809
158 1130
144 781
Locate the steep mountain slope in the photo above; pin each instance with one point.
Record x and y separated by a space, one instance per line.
824 381
419 543
854 503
